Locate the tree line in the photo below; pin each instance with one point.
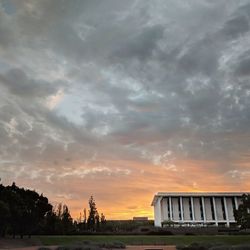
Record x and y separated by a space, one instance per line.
25 212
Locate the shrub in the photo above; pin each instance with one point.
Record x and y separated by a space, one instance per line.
116 244
83 247
180 247
63 248
241 247
198 246
224 247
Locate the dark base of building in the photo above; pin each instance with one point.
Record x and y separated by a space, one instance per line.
199 224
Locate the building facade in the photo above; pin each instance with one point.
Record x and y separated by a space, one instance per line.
195 208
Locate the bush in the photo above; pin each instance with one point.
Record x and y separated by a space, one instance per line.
84 247
87 242
88 245
160 232
241 247
180 247
64 248
212 246
198 246
116 244
224 247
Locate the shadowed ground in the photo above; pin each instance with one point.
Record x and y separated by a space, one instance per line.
10 243
131 241
147 239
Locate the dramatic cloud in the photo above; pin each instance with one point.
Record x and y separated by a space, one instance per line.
122 99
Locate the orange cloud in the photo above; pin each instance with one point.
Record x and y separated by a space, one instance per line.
124 189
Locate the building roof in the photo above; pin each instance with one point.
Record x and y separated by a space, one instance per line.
195 194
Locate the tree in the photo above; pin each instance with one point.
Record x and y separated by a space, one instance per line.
92 214
50 222
25 209
4 217
103 219
67 221
59 221
97 220
94 219
84 218
242 214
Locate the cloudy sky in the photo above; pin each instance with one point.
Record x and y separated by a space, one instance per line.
122 99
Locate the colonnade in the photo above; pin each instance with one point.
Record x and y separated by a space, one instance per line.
206 208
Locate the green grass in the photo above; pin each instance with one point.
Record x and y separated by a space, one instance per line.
146 240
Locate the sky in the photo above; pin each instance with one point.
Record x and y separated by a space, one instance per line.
123 99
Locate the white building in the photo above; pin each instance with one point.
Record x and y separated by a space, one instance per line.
195 208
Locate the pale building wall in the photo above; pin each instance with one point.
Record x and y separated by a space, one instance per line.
161 207
164 209
197 211
219 210
157 213
186 210
208 209
175 209
230 208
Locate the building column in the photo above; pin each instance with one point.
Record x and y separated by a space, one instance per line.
181 205
236 202
192 208
226 211
170 208
203 209
157 212
215 212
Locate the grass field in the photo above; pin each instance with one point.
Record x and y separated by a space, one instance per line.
146 239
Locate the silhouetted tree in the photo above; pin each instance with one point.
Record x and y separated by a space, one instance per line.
4 217
242 214
103 219
92 214
97 221
84 218
26 208
50 223
94 220
25 212
67 221
59 220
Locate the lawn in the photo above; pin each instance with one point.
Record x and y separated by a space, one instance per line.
146 239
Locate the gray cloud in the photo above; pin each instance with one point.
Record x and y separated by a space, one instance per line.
88 86
142 45
236 26
20 84
7 37
243 69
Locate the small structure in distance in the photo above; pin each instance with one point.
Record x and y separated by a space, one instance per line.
140 218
